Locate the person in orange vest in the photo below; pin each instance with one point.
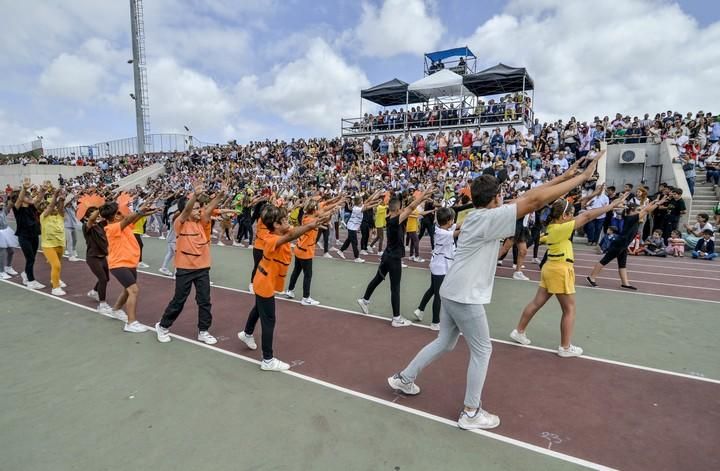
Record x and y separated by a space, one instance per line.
270 277
192 266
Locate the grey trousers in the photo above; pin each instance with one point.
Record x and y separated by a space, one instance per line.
455 318
70 240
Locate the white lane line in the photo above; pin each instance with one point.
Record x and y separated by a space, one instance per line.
377 400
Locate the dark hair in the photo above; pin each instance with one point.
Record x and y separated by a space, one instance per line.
444 215
559 208
272 215
109 210
613 228
708 232
704 216
483 190
394 204
88 212
630 185
676 191
611 187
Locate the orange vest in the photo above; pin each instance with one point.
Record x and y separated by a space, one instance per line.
192 250
270 275
305 247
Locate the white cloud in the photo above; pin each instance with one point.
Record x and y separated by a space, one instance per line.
13 135
397 27
587 59
72 77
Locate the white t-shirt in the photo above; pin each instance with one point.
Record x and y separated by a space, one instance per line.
598 202
444 252
353 223
471 276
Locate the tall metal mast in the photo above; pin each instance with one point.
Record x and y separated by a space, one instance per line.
142 102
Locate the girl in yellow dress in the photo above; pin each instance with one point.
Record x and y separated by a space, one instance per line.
557 276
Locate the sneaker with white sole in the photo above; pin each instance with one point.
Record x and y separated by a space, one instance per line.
571 351
481 420
499 263
4 276
162 237
143 265
403 265
24 278
10 271
370 250
205 337
400 321
363 252
62 284
290 294
435 327
35 285
163 334
419 314
364 305
396 382
237 244
380 253
359 260
248 340
220 243
165 271
327 255
119 314
520 337
274 365
518 275
92 294
58 292
536 261
340 253
135 328
104 309
73 258
145 236
309 302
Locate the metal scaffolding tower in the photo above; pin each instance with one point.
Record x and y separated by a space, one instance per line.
142 102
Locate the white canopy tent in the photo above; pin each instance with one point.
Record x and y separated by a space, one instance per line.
440 84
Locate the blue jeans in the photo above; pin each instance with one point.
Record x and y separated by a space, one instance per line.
691 185
593 230
708 256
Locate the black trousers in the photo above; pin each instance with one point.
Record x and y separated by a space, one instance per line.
99 267
325 234
29 247
433 292
429 227
304 266
184 280
351 240
257 256
245 230
393 266
264 310
364 235
138 237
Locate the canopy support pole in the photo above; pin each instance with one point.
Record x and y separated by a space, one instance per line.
522 108
407 103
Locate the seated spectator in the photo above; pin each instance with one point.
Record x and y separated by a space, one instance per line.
636 246
655 245
610 236
695 232
705 248
676 246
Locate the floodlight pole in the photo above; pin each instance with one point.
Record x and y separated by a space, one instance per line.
142 118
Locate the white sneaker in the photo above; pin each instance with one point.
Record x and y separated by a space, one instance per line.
62 284
10 271
318 244
143 265
400 321
206 337
419 260
520 338
163 334
340 254
92 294
220 243
380 253
35 284
536 261
248 340
58 292
359 260
499 263
4 276
419 314
435 327
403 265
274 365
327 255
290 294
104 309
398 384
309 302
250 288
518 275
24 278
363 252
119 315
571 351
135 328
364 305
481 419
66 254
338 242
162 237
515 266
237 244
370 250
145 236
73 258
165 271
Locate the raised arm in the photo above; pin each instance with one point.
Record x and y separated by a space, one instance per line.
145 210
92 218
51 206
588 216
207 214
421 198
190 204
652 207
296 232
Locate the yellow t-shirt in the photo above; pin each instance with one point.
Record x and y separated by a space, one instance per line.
462 215
412 221
53 230
381 215
558 241
139 227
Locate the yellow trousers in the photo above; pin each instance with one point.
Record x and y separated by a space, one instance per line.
53 255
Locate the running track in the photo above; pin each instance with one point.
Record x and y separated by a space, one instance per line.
608 414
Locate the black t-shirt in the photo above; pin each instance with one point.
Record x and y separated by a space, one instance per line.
395 247
630 227
28 221
675 207
95 240
368 217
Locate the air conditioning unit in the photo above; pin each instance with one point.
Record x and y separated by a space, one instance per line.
632 156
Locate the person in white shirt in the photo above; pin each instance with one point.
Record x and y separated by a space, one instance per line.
469 282
593 229
353 224
442 256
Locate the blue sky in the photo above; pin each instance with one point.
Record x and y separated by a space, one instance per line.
253 69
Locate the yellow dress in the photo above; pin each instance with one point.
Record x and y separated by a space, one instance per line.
558 273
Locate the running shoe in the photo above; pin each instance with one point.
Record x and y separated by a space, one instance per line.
571 351
363 252
274 365
143 265
364 305
520 338
10 271
290 294
396 382
480 420
248 340
92 294
327 255
120 315
135 328
62 284
418 314
165 271
104 309
4 276
359 260
435 327
35 285
400 321
205 337
518 275
309 302
58 292
163 334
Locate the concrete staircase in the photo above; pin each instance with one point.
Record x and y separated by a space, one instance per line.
705 198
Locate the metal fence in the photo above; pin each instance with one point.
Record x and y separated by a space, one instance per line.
153 143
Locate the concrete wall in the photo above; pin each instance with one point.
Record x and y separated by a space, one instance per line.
141 176
14 174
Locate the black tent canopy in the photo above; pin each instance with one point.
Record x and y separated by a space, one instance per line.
390 93
498 79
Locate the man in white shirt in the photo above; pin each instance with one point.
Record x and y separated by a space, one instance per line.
469 282
593 229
